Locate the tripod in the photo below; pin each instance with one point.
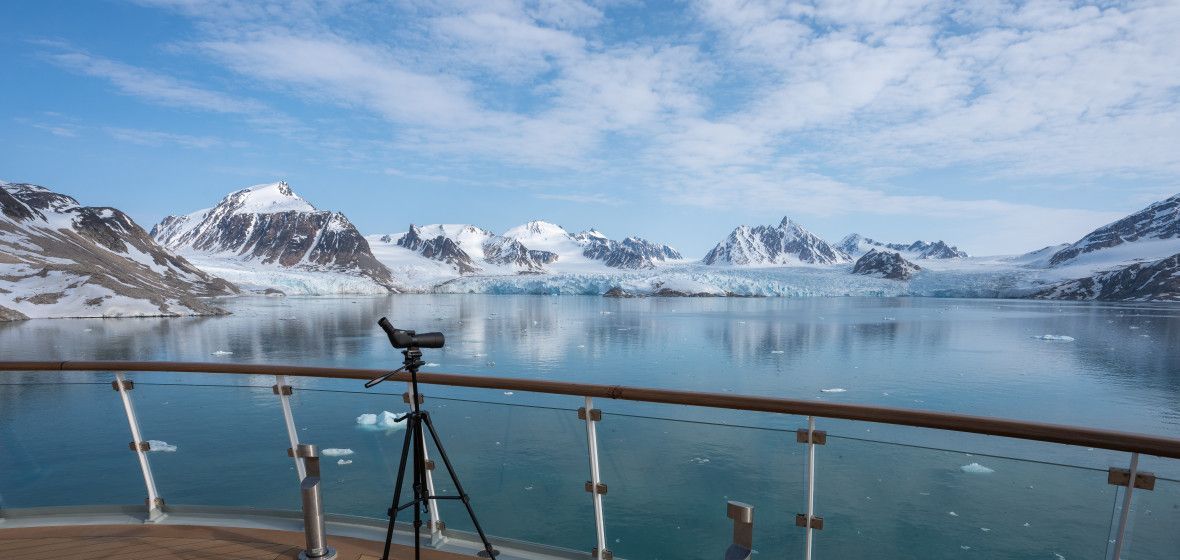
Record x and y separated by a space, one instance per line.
415 419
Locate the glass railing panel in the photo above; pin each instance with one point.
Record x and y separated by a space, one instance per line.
65 444
1153 527
668 483
523 466
892 501
226 445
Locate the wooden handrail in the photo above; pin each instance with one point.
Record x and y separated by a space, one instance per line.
1159 446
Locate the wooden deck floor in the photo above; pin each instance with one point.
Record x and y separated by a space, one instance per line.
180 542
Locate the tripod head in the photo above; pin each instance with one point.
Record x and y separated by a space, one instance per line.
412 344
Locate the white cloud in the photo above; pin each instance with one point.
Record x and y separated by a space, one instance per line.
158 138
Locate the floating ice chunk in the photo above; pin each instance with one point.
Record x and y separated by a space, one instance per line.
964 547
223 353
1058 337
776 351
161 446
1058 556
508 393
386 420
834 390
976 468
529 487
984 529
430 364
344 462
699 460
953 514
334 452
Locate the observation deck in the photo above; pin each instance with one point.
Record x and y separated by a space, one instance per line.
554 469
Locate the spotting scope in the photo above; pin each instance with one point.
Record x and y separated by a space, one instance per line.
401 338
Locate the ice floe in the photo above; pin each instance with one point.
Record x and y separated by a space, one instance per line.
1058 337
222 353
344 462
976 468
834 390
386 420
335 452
162 446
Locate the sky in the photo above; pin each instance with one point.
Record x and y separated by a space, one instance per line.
1000 127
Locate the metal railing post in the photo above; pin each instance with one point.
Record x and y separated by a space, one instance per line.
140 446
284 392
313 505
1124 516
434 524
810 520
742 515
595 485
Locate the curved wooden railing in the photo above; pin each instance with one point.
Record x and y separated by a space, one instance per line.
1055 433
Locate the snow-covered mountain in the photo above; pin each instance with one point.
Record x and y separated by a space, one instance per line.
61 259
885 264
1152 281
857 245
1147 235
784 244
591 246
269 237
471 249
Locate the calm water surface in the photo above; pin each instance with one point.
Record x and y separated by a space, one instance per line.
884 492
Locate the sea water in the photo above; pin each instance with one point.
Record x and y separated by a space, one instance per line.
884 492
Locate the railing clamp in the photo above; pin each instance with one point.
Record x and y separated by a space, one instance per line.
600 489
819 437
1122 477
281 389
140 446
429 464
406 398
595 414
742 515
125 385
606 554
817 522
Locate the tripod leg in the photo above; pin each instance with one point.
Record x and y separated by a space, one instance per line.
442 453
419 487
397 490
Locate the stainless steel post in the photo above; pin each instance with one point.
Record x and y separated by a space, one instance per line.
810 484
595 486
1124 515
313 506
742 515
155 503
284 392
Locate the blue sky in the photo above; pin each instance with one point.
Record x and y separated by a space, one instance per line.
999 127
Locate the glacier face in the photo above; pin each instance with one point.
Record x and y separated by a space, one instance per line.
786 243
267 237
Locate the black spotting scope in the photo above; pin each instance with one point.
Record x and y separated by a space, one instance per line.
401 338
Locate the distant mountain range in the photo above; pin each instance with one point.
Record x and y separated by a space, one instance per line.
58 258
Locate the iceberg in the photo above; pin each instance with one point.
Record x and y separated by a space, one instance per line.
222 353
334 452
344 462
834 390
161 446
976 468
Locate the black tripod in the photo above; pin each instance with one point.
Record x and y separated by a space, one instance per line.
416 418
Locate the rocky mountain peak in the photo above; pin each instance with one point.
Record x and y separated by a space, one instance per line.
885 264
786 243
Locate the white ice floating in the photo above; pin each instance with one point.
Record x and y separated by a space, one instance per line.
336 452
834 390
976 468
384 421
344 462
1057 337
223 353
161 446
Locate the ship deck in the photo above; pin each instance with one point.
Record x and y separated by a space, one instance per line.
181 542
